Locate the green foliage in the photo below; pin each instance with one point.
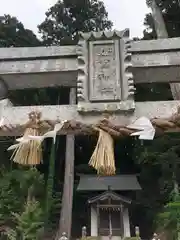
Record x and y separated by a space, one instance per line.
66 18
14 187
164 154
169 218
171 14
28 224
54 211
51 199
158 163
19 210
13 33
170 10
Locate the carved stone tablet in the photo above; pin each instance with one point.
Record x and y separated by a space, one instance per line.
105 81
103 72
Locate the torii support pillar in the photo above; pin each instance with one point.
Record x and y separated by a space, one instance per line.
67 199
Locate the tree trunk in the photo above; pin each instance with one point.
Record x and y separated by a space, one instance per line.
161 32
67 198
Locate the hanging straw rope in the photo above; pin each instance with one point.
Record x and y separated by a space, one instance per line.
103 156
30 153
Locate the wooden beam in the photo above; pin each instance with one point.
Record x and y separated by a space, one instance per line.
67 199
19 115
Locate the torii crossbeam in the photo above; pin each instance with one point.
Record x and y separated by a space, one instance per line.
103 67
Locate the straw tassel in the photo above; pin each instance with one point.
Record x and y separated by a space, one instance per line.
103 156
29 152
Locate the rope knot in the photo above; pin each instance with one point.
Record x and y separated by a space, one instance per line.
35 119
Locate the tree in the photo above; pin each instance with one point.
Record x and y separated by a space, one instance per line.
163 156
159 170
14 187
29 225
164 12
169 219
63 22
66 18
13 33
166 21
171 14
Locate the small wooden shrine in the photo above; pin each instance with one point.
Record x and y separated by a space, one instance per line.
109 210
101 72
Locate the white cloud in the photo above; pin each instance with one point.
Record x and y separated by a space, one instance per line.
124 13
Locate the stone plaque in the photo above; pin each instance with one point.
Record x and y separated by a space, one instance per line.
104 74
105 81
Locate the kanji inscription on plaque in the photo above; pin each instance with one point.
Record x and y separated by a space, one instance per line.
104 76
104 81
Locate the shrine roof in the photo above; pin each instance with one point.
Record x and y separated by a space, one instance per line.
109 194
115 183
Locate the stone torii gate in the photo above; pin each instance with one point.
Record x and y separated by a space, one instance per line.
103 68
109 57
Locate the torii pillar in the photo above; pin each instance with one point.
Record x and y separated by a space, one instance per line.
104 83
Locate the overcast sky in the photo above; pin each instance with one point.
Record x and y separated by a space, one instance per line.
123 13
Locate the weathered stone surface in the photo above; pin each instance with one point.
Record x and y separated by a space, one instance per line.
104 72
157 45
104 75
157 59
40 66
158 74
152 61
3 89
19 115
39 80
36 52
63 51
32 67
